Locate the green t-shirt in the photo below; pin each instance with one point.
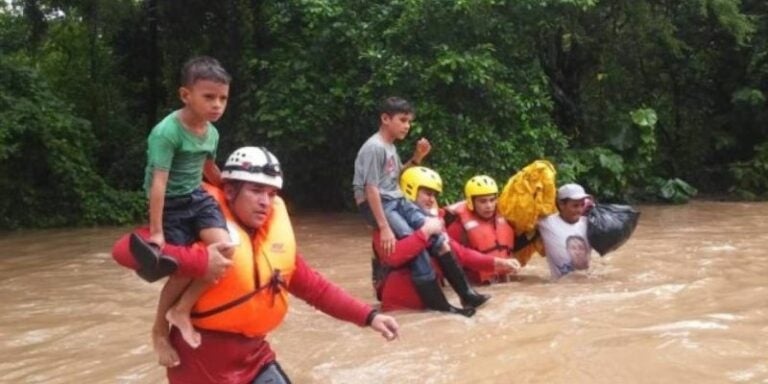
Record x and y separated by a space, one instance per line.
173 148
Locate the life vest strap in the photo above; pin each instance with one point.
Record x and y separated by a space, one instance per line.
276 283
226 306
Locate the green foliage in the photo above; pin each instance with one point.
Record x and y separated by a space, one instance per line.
749 97
628 97
47 177
751 177
601 169
676 191
455 75
623 167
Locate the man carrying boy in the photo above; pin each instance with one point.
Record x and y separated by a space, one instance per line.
565 233
181 149
392 282
377 194
236 314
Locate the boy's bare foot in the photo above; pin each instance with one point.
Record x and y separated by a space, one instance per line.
181 320
166 355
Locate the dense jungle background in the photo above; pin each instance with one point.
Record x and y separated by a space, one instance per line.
639 100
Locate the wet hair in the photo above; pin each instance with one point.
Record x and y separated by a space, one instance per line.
203 68
394 105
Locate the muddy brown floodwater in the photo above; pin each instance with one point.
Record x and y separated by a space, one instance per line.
685 301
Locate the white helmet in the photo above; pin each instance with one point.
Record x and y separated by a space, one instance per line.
254 165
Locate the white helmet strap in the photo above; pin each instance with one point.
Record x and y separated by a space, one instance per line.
271 168
268 156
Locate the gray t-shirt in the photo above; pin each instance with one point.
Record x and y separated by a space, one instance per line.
378 164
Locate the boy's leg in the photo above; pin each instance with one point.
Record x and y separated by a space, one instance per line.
178 230
179 314
413 215
454 273
421 266
172 289
422 274
365 211
400 227
407 217
428 288
456 277
211 227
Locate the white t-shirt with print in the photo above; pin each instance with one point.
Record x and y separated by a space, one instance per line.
564 242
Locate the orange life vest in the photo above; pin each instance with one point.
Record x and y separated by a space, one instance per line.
251 297
492 237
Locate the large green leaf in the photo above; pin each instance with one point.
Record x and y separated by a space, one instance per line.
644 117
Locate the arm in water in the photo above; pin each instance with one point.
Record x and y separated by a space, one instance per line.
472 259
308 285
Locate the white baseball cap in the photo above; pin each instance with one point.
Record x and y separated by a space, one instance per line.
572 192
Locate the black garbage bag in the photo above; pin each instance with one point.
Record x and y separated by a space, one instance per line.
610 226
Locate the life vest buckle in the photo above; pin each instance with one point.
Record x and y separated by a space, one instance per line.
276 284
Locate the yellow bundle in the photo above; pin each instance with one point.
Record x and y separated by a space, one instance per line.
524 255
528 196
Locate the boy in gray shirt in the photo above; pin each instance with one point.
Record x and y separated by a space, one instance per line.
378 196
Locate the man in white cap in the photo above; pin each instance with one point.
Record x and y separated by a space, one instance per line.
565 233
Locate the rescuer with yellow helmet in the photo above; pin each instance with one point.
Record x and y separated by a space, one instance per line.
479 226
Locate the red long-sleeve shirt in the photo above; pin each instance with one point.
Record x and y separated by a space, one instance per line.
397 290
193 259
233 358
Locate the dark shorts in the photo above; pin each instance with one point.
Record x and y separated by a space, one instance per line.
272 373
185 216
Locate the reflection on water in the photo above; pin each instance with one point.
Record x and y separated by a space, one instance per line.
686 300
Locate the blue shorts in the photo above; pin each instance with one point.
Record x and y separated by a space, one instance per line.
185 216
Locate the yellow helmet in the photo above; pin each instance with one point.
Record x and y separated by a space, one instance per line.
417 177
479 186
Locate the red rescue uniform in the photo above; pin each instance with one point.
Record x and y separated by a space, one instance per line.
234 357
397 290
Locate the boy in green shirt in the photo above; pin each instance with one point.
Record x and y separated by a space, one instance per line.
181 149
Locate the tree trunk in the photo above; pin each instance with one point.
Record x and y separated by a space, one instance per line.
154 65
